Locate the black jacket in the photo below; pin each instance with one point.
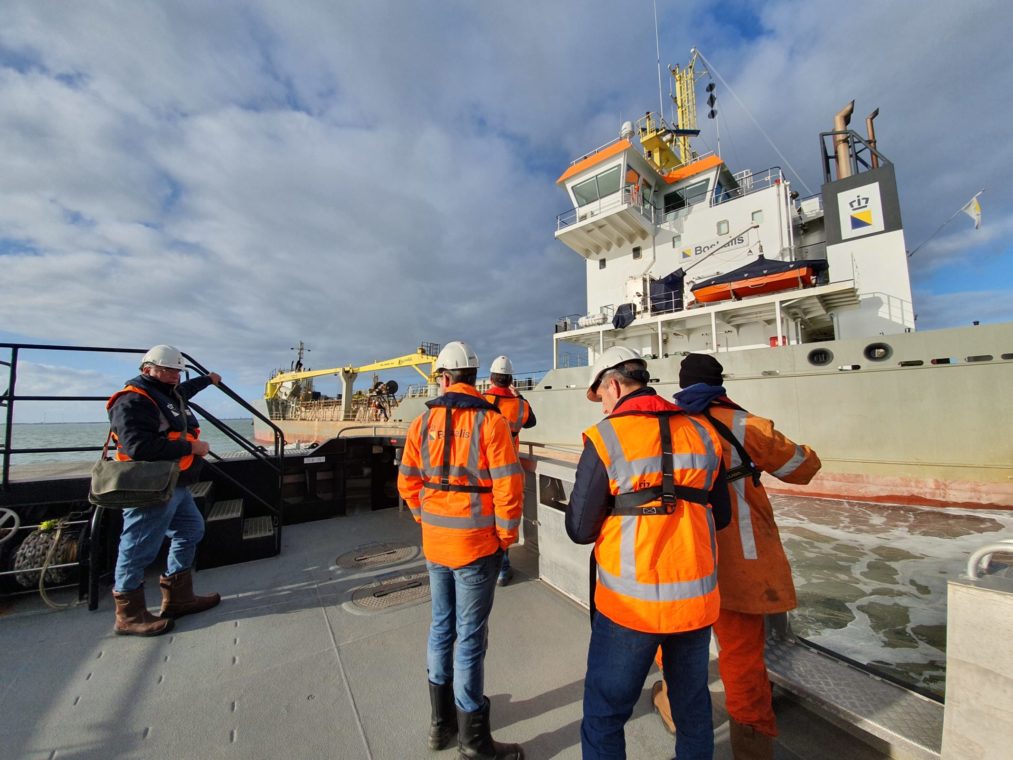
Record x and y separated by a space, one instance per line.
142 427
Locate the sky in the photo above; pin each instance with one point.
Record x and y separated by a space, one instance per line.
235 177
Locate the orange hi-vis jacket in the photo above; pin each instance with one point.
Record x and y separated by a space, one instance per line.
656 552
186 461
754 573
460 477
514 409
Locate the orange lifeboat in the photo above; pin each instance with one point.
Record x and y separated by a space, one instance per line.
759 277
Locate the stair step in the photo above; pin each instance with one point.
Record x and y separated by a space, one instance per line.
201 490
228 509
257 527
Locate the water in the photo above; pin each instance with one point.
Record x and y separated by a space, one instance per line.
67 434
871 578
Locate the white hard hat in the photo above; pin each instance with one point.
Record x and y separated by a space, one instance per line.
610 357
501 366
164 356
456 355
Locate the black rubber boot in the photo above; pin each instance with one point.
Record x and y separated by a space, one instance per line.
444 723
474 742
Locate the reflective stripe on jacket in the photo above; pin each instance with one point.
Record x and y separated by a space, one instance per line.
657 572
186 461
754 573
468 497
515 410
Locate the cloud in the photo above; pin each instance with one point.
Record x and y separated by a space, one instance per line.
36 379
960 309
233 178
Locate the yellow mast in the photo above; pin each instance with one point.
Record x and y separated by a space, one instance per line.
685 104
668 147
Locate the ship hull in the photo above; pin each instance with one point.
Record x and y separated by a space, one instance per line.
926 425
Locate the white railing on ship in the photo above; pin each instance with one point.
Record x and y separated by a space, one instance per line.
979 561
629 197
749 182
599 149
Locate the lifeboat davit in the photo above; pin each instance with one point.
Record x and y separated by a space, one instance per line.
759 277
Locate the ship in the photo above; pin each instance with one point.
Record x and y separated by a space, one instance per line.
805 301
318 647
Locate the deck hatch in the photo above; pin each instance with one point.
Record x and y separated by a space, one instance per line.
376 555
392 592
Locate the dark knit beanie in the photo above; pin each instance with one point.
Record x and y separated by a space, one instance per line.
700 368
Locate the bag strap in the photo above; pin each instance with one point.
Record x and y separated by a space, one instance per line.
746 465
105 446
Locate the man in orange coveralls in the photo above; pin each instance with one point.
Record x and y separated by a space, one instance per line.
753 573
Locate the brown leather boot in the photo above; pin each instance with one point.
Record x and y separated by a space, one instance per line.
748 743
178 598
659 695
133 618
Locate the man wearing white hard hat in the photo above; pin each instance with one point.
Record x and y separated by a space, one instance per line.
519 415
649 493
461 481
149 423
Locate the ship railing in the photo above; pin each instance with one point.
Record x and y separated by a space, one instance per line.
629 197
597 150
569 322
566 359
10 397
417 391
749 182
862 156
810 206
521 384
979 562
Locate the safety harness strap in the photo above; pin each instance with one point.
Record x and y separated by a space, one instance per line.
632 503
746 466
444 484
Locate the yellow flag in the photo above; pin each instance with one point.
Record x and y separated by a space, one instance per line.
973 210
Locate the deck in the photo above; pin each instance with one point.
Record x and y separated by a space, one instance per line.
289 665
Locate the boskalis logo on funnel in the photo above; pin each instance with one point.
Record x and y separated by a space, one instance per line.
861 214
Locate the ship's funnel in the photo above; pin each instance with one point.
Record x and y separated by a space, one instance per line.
870 131
841 121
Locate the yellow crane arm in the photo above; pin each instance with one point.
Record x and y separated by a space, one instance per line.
408 360
414 360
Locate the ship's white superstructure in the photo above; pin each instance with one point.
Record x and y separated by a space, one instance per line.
806 301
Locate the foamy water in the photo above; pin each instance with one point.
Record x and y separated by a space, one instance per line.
871 578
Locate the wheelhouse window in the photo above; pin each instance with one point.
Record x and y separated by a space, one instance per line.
601 263
686 196
599 186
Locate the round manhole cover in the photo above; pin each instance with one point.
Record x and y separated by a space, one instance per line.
393 592
376 555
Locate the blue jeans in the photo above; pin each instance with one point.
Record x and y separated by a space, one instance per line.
462 601
618 660
143 531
